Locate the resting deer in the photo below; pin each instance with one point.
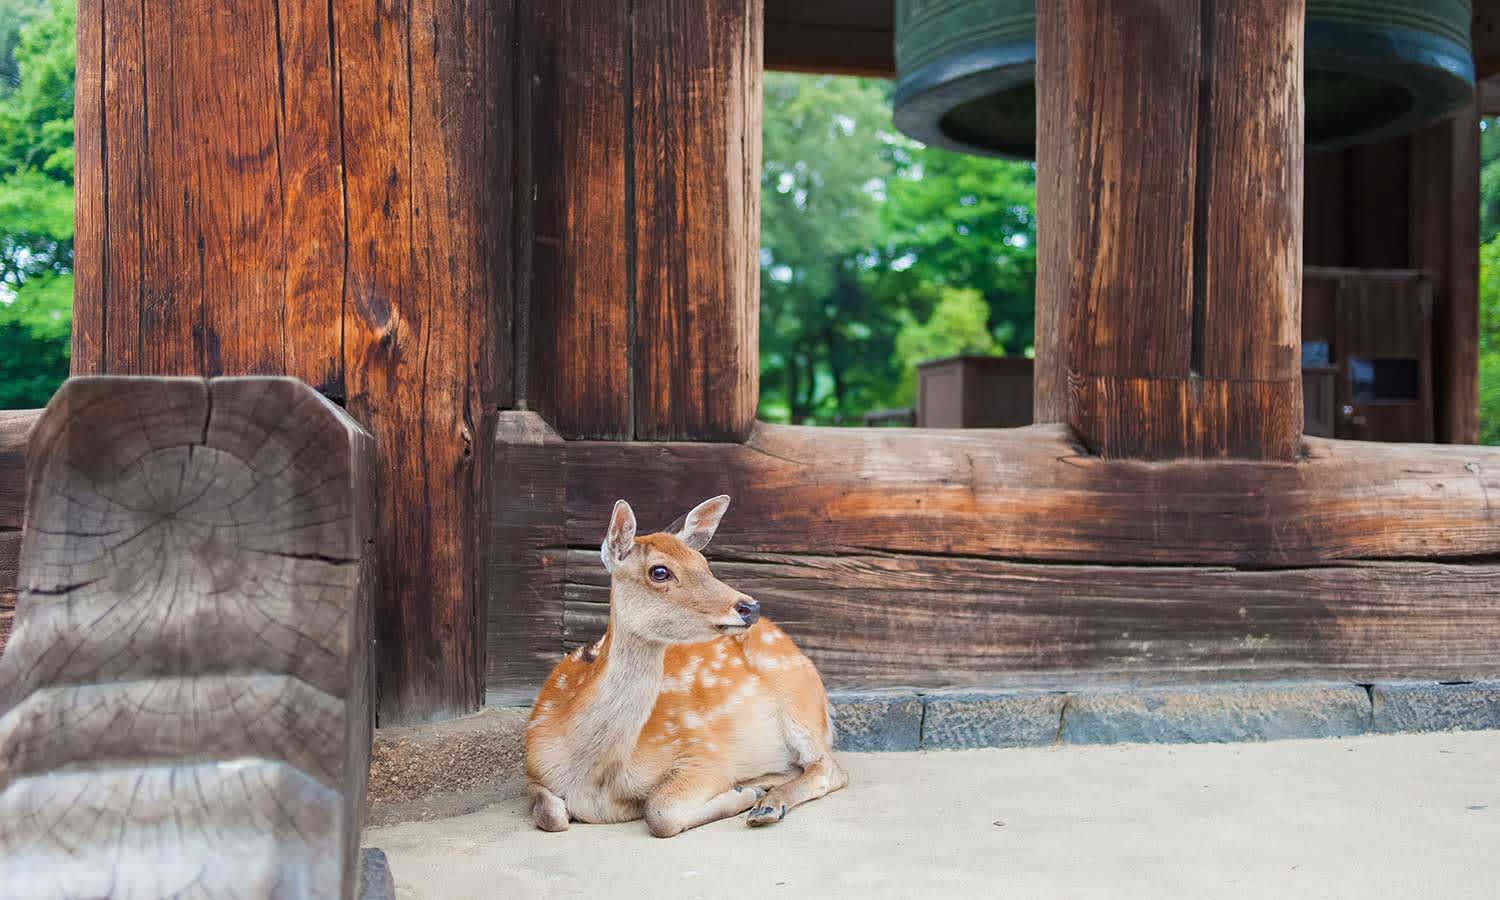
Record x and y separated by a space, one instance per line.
691 708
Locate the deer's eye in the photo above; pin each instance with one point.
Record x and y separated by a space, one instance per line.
659 573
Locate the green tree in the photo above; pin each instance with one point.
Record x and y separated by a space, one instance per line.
1489 342
826 340
36 206
962 221
876 250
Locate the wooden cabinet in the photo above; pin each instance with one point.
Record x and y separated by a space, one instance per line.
1373 331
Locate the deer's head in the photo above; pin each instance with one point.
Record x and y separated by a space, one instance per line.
661 588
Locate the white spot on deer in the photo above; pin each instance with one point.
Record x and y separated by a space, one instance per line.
562 681
768 663
670 726
711 746
737 661
549 705
691 720
707 680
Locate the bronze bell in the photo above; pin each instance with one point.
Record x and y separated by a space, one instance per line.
966 71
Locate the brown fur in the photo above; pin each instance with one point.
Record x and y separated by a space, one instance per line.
656 721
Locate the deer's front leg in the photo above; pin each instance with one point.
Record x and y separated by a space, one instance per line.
548 810
690 799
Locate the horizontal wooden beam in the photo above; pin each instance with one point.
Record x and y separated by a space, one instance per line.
1035 494
840 37
870 620
1013 556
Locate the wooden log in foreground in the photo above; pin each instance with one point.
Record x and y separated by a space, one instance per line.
1014 556
185 702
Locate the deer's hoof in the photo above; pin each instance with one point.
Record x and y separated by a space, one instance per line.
766 815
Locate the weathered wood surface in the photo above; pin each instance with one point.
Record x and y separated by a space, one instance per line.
928 620
1444 225
339 211
845 37
577 285
1034 493
527 510
15 429
696 94
1180 338
185 703
641 178
903 543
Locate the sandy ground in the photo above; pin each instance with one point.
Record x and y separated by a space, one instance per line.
1406 816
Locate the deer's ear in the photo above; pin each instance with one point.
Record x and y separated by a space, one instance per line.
619 540
698 526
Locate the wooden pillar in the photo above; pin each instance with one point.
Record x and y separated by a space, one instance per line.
315 190
1444 236
1170 155
640 241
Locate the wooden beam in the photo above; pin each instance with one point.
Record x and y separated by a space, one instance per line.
904 555
1181 338
1486 38
1444 243
527 509
878 620
840 37
696 133
339 211
577 234
1035 494
642 273
185 704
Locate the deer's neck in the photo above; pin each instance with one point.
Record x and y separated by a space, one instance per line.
629 683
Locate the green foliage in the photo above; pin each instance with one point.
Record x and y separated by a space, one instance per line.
878 253
36 198
34 335
959 324
969 222
1489 342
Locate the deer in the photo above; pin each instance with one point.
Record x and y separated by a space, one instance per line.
691 708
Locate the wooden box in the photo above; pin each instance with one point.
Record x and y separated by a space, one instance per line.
974 392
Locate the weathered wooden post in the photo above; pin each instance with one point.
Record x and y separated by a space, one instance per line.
1170 192
185 701
321 191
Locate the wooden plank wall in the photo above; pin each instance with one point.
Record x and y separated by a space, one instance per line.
1412 202
338 210
1016 557
640 270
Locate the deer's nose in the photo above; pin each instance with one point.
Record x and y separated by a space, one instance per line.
749 610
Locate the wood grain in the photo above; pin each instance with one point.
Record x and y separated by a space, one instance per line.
192 642
1034 494
1013 555
696 133
874 620
578 275
340 211
15 430
1185 329
525 589
842 37
1444 241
